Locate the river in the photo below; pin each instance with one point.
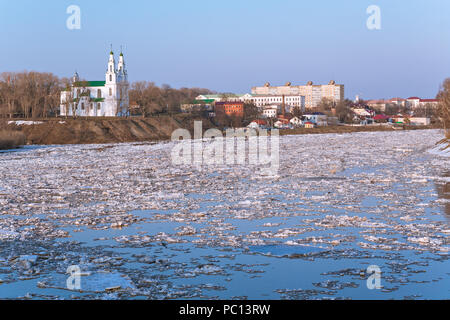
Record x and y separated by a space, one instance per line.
138 227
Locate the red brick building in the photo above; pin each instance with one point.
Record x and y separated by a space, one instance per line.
230 108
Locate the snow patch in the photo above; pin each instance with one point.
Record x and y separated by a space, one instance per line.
25 123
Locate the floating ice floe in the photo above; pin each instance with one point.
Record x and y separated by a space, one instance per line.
8 235
102 281
286 250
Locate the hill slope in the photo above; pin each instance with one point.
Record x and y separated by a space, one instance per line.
81 131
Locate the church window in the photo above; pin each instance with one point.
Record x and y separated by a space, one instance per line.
110 77
99 93
98 106
110 91
82 106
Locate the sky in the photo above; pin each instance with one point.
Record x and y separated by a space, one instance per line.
233 45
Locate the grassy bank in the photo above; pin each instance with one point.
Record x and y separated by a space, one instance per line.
11 139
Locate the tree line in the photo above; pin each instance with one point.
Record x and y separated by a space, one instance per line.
29 94
148 99
37 95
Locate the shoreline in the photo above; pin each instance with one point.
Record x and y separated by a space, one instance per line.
352 129
62 131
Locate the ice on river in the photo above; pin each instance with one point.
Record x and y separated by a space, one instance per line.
138 226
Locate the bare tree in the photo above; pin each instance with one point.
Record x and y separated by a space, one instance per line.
138 95
31 93
444 105
326 104
122 98
251 112
297 112
344 111
7 94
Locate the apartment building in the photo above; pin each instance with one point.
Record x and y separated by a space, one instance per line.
313 93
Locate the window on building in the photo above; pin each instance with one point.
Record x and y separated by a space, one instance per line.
110 77
99 106
82 106
99 93
110 91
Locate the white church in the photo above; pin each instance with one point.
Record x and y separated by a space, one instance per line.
107 98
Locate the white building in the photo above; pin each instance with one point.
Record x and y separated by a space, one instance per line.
413 102
362 112
259 100
317 118
253 125
107 98
414 120
313 93
270 112
296 121
434 103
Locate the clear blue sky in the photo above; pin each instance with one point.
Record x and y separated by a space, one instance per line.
232 45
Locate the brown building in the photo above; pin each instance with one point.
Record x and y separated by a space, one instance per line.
230 108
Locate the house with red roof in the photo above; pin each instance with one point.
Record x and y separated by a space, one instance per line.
430 102
309 125
381 118
281 123
258 123
413 102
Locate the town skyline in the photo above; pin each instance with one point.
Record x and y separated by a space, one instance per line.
269 42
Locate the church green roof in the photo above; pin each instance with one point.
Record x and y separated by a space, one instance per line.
207 101
90 84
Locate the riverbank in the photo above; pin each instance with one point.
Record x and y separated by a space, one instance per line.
11 139
442 148
350 129
156 128
101 130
